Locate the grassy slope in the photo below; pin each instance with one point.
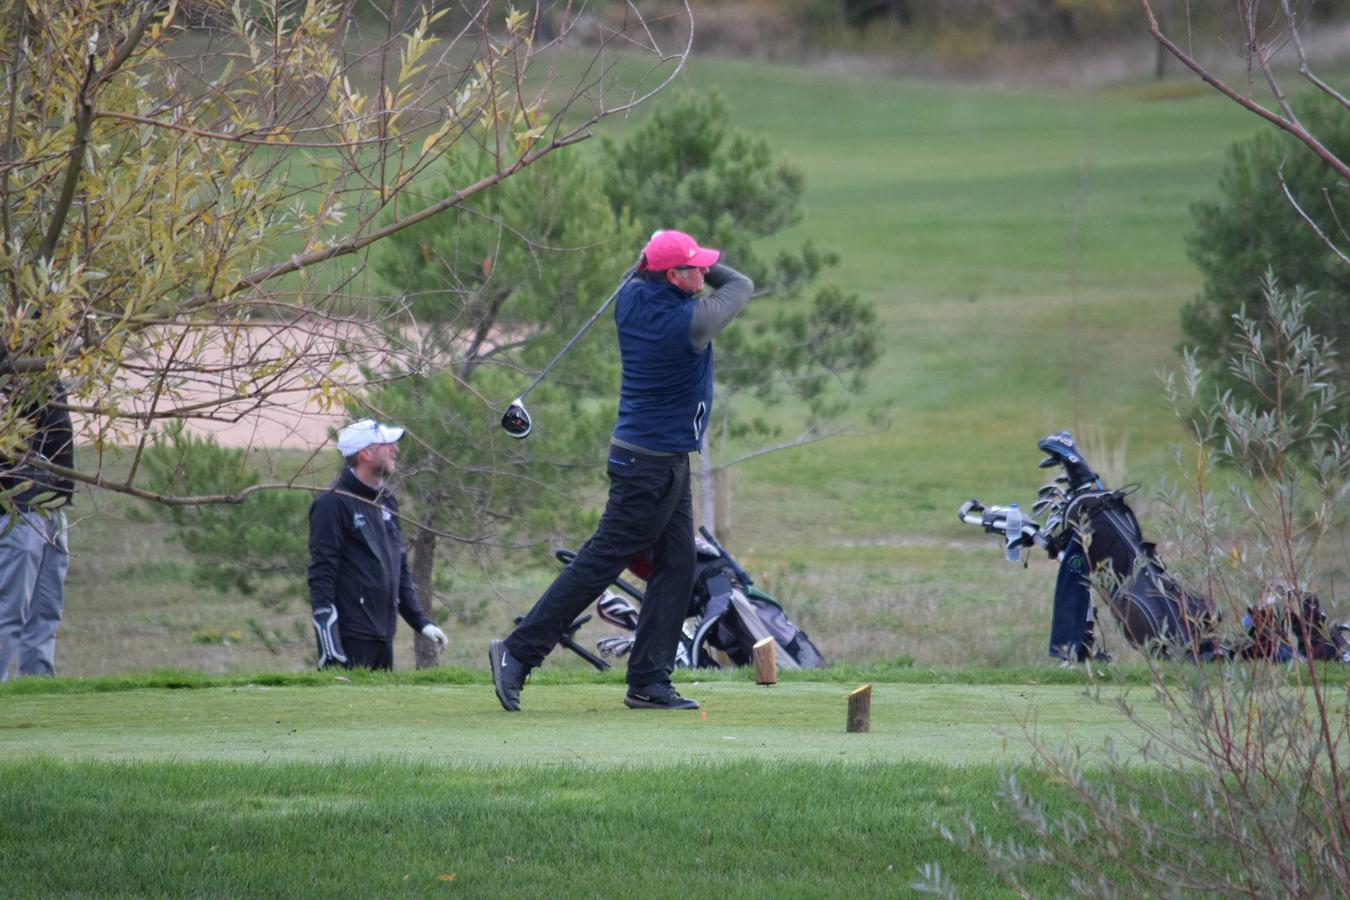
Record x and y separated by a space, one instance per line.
954 210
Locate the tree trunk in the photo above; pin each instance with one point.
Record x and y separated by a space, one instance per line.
722 503
423 564
1160 61
707 501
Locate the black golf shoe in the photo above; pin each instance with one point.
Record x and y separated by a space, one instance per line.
508 675
657 696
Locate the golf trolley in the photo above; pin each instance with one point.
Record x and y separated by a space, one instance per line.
727 616
1020 533
1156 613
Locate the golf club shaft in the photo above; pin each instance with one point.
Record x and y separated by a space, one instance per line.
628 276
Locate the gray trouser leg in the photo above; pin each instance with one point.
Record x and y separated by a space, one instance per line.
37 641
21 543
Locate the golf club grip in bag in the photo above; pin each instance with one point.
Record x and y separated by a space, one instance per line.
741 575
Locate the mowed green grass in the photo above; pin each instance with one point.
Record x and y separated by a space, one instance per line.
383 786
395 828
575 722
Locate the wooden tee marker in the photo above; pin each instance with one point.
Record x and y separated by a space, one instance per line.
766 662
860 709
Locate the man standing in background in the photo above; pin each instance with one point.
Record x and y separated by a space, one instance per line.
358 567
33 550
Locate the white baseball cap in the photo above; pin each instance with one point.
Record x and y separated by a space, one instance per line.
360 435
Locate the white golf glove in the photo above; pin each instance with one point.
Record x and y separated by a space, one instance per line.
431 632
326 632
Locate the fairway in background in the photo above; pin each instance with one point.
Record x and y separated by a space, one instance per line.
1024 250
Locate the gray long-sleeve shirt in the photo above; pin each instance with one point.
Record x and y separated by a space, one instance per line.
731 291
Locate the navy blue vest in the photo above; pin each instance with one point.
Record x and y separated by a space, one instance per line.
667 390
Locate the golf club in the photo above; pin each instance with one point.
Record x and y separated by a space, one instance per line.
1042 504
516 420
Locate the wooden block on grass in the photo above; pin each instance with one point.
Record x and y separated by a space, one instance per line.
766 662
860 709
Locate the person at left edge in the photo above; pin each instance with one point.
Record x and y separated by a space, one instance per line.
34 554
358 567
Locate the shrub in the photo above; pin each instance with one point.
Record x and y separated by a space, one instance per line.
1253 229
1244 792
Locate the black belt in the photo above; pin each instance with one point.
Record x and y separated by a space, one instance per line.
648 454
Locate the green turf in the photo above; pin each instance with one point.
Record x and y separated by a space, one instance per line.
382 786
585 724
385 829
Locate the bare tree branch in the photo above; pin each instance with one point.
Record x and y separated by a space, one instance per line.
225 174
1311 223
1283 122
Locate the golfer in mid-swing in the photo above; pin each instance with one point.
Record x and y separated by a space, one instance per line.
665 344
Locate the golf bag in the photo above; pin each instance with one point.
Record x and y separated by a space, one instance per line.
1155 612
1290 625
726 617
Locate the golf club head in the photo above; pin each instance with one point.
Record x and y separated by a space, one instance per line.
1042 504
614 646
617 610
516 420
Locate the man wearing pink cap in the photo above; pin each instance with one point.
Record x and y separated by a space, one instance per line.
665 343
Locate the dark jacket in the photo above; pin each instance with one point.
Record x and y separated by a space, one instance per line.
53 440
357 563
665 343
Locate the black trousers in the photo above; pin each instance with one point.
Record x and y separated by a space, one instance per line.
366 653
650 507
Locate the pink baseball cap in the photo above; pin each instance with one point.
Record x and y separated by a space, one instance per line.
668 249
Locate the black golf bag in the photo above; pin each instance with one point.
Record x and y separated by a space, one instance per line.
727 616
1291 625
1155 612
